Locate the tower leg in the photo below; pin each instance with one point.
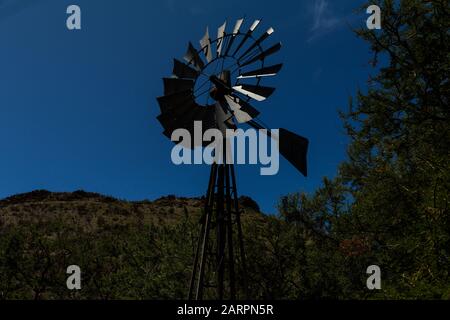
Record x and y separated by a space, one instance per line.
230 234
202 231
240 236
203 240
220 232
221 211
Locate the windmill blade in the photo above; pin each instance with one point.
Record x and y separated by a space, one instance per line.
205 44
258 42
264 72
293 148
177 110
257 93
263 55
241 116
237 26
224 118
183 71
246 107
195 114
247 36
192 57
243 112
221 38
174 85
182 116
205 115
208 119
236 29
169 102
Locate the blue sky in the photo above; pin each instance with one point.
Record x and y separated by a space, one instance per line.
78 108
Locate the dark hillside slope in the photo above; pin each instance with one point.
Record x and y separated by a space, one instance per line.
126 250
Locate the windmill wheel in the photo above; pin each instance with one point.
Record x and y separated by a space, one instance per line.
216 83
219 83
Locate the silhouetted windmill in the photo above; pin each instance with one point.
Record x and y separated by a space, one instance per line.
215 86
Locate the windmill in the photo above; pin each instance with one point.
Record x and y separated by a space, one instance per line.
218 84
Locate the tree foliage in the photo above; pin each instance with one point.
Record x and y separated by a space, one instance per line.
396 179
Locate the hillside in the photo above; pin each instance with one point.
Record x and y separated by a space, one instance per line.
91 209
126 250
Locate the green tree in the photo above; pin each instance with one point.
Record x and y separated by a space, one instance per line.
397 176
399 166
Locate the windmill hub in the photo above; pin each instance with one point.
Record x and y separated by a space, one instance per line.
222 86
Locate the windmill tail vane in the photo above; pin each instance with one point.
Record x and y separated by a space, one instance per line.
219 85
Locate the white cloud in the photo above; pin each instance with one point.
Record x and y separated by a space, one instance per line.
324 20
